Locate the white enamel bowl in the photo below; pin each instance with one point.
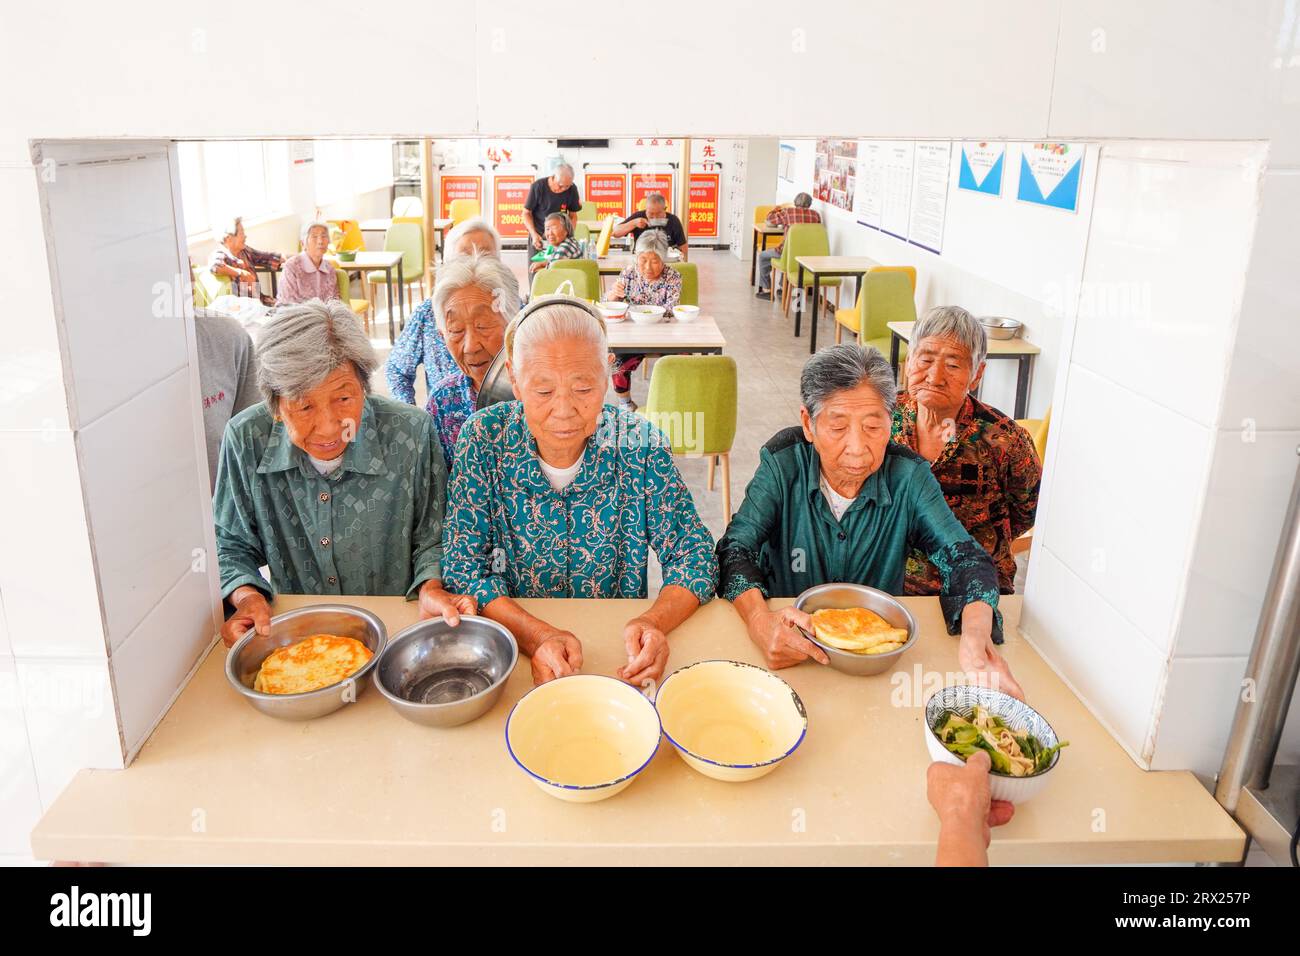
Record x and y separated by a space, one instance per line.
613 311
731 721
583 738
686 313
646 314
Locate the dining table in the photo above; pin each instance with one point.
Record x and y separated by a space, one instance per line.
701 336
763 233
386 262
824 267
219 782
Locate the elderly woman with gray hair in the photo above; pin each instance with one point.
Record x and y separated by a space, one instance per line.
335 490
648 282
834 500
420 342
475 297
985 463
308 275
560 495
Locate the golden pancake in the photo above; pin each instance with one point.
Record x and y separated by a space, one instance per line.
857 630
310 664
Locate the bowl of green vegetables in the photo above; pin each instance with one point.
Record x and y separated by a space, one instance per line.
1022 746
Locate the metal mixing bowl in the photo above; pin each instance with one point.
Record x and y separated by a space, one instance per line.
859 595
997 327
245 658
441 676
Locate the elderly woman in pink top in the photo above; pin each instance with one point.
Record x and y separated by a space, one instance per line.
307 275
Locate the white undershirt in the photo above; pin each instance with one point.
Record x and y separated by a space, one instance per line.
325 467
560 478
839 504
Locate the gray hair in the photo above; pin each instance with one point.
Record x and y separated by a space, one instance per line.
229 227
479 269
562 217
802 201
952 321
306 230
564 168
655 197
843 367
304 343
653 240
552 323
468 227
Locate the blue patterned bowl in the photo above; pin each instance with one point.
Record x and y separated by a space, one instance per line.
963 698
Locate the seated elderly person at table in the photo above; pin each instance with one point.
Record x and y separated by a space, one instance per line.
559 495
655 216
335 490
235 259
420 342
836 501
648 282
476 296
784 216
985 463
560 243
308 275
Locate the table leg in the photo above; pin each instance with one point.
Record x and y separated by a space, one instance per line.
1022 386
401 295
893 352
275 292
798 302
812 324
753 258
388 290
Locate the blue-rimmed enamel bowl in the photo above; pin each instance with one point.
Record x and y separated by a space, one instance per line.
729 720
583 738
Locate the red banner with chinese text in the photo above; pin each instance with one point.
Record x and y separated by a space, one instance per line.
607 192
509 194
459 187
704 205
645 183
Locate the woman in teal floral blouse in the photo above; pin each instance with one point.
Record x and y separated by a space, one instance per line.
560 495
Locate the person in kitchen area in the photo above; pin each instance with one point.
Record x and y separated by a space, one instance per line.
656 216
227 377
560 243
335 490
784 216
476 296
834 500
420 342
647 282
553 193
560 495
985 463
235 259
961 799
308 275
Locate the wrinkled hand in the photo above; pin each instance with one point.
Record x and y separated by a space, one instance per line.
620 290
977 655
437 602
641 222
558 656
961 798
647 653
777 636
538 241
251 611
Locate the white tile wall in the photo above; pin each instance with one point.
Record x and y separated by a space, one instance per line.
71 721
45 562
139 466
1113 668
20 804
1196 715
154 660
1112 522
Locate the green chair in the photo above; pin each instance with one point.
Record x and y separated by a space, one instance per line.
548 282
589 268
360 307
588 214
805 239
408 239
690 281
208 287
582 232
886 297
693 401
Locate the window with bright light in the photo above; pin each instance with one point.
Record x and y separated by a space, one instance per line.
221 180
346 168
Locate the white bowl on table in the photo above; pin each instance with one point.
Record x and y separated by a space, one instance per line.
962 698
646 314
686 313
613 311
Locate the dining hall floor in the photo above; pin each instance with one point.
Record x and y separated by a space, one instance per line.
768 360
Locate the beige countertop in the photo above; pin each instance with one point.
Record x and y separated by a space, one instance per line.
219 782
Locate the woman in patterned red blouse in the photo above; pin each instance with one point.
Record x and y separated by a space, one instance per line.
985 463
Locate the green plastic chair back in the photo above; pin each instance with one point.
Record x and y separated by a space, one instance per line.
582 232
548 281
693 401
886 297
588 267
408 239
806 239
207 287
690 281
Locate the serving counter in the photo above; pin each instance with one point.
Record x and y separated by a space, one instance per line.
219 782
